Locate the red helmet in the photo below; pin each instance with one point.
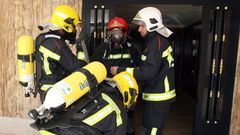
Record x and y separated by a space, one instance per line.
118 22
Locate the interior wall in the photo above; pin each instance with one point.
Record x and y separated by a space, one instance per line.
20 17
235 119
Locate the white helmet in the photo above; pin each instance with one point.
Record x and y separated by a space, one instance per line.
152 17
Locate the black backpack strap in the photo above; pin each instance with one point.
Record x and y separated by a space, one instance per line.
38 58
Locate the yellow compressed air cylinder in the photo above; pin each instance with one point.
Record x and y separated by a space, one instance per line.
75 85
25 59
79 82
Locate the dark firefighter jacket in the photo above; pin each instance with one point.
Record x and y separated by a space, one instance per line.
54 59
156 70
110 117
107 117
126 55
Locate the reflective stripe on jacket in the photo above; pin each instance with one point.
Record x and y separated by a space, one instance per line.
104 112
156 69
58 61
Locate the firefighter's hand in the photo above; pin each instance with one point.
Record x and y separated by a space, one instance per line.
113 70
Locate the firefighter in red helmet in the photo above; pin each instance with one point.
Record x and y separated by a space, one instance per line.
117 31
119 50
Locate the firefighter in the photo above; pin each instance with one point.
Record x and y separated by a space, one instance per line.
105 114
54 59
156 70
118 51
115 123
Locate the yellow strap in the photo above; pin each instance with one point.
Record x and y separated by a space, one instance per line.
154 131
158 96
104 112
166 84
115 107
101 114
143 57
45 132
119 56
130 70
47 53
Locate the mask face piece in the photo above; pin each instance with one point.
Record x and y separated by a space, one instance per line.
116 36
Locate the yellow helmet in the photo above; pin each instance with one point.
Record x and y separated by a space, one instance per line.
128 87
64 17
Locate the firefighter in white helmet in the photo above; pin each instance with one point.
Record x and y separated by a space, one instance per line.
156 70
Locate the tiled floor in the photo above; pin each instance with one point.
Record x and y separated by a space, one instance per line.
16 126
180 120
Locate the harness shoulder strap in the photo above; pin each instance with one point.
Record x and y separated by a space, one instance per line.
37 55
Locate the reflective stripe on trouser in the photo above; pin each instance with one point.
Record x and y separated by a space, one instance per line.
154 131
47 53
158 96
104 112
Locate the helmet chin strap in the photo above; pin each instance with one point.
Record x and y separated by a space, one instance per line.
71 37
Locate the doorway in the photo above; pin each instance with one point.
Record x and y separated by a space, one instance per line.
185 22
